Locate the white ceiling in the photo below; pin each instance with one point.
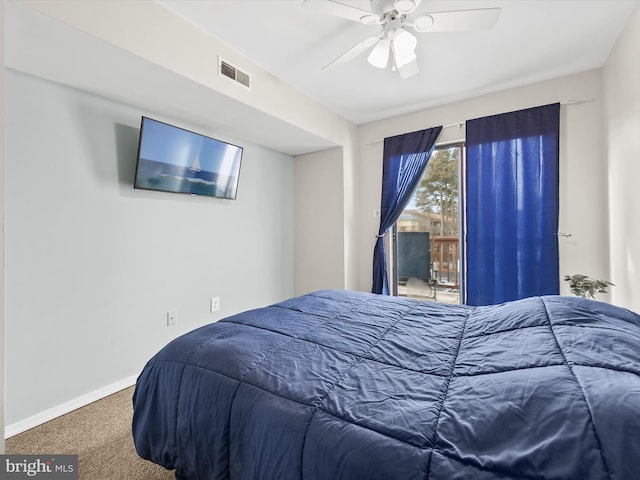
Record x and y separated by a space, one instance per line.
534 40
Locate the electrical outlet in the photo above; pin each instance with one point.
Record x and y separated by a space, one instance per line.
215 304
172 318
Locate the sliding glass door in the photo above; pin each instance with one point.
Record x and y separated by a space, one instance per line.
426 254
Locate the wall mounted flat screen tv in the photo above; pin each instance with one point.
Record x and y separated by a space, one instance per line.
172 159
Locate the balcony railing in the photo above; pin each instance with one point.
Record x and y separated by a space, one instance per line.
445 260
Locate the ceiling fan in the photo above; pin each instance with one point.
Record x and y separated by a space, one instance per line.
395 45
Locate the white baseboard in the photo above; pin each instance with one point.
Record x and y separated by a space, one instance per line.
70 406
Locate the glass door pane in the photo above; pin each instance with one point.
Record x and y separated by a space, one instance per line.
427 263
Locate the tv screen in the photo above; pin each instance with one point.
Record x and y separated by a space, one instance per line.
171 159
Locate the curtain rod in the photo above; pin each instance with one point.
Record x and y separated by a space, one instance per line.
461 124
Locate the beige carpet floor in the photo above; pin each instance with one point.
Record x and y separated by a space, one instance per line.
100 434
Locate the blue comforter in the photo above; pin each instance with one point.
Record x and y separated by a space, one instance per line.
344 385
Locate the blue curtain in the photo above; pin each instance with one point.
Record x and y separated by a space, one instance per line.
404 160
512 206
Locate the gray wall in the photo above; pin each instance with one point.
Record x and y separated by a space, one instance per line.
93 265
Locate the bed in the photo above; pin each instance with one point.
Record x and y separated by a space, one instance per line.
346 385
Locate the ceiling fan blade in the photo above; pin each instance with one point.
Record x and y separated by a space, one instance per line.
456 21
342 10
353 52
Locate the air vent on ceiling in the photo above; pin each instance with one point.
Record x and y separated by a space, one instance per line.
232 72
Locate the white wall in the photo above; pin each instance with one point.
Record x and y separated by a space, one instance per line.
94 265
350 209
583 200
319 218
622 121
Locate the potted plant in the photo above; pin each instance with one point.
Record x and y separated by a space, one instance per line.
585 286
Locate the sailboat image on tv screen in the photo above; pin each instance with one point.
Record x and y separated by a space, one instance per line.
195 166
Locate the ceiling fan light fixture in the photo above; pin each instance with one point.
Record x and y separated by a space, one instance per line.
423 23
404 46
401 58
409 70
406 6
379 56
